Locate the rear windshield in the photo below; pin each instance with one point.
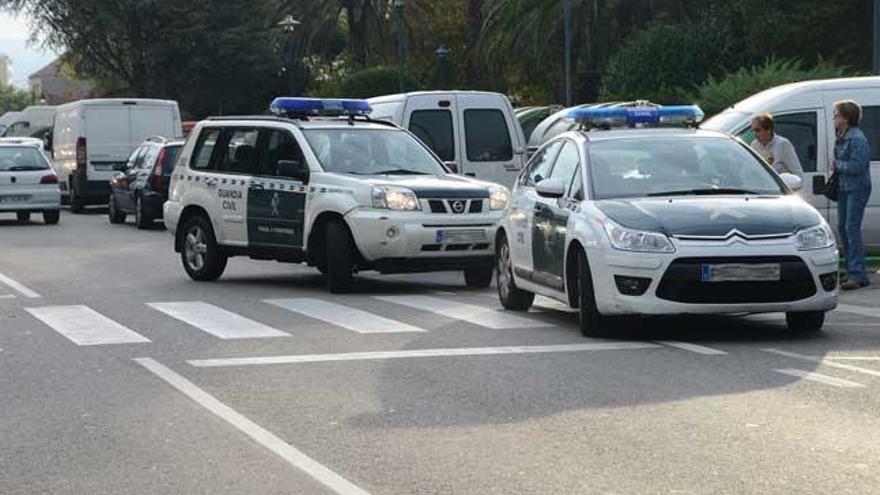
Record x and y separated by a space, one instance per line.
21 159
171 153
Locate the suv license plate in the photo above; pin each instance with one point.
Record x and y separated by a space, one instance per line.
764 272
14 199
460 236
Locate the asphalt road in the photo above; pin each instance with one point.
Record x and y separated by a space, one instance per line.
118 374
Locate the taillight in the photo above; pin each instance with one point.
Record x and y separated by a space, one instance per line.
49 179
81 156
158 168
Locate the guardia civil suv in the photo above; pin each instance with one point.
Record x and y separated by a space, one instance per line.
638 212
322 183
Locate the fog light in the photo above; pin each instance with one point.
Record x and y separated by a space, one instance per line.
392 232
829 281
632 286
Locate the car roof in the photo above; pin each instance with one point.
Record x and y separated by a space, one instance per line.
595 135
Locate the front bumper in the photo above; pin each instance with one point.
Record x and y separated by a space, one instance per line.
797 293
396 235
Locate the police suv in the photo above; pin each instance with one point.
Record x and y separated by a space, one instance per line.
658 217
322 183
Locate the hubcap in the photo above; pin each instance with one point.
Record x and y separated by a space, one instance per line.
195 248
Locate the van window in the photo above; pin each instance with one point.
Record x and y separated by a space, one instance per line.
434 128
871 127
201 157
239 153
280 145
487 136
801 129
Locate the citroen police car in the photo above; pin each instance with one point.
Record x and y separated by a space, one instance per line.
322 183
639 212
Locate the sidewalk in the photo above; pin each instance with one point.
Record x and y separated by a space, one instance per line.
866 296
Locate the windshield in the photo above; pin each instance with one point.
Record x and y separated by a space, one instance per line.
677 166
21 159
371 152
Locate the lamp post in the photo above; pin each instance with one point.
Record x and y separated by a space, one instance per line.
288 25
399 10
566 16
442 54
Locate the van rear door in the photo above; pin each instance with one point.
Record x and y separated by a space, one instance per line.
107 133
493 143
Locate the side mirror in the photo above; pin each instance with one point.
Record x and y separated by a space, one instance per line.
550 188
294 169
452 166
793 182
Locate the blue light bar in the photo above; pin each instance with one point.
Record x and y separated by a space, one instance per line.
289 106
638 116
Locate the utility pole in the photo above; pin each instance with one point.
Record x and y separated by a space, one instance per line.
876 54
566 14
399 6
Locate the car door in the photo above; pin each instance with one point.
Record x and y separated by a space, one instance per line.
522 208
492 149
430 118
550 223
276 205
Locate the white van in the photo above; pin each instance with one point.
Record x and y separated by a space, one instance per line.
474 132
8 119
93 139
32 120
802 114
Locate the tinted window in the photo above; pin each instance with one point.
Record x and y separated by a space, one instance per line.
280 145
434 128
15 159
201 158
171 154
487 137
239 152
566 163
148 158
871 126
539 167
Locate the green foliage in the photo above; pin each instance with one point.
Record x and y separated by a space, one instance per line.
718 93
13 99
662 61
364 83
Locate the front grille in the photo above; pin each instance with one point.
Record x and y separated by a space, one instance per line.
456 205
682 282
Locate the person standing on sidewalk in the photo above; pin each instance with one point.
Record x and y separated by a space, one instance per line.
778 151
852 161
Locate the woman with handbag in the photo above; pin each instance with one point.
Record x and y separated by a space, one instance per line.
851 164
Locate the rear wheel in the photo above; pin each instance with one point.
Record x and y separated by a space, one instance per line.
592 323
340 258
76 201
201 256
509 294
141 218
116 215
51 217
478 277
23 216
805 321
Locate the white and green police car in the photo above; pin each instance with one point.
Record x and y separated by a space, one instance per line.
322 183
662 219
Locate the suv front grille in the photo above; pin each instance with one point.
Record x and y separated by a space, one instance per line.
456 205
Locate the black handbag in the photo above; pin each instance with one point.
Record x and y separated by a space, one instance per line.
832 187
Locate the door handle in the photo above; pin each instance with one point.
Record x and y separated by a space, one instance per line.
470 174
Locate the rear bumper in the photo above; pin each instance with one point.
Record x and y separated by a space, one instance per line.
153 203
43 197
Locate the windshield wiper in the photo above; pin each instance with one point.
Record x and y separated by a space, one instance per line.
704 192
400 171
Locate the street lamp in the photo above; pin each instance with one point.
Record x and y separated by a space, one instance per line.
442 54
288 25
399 10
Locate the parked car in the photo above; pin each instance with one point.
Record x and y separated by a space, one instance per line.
802 114
93 140
27 183
32 120
142 188
473 132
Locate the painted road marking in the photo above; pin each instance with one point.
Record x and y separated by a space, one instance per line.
818 377
859 310
257 433
85 326
343 316
855 358
216 321
687 346
478 315
7 296
18 287
419 353
823 362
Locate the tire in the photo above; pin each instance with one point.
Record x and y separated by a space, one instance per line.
51 217
340 258
200 254
141 219
478 277
77 205
23 216
592 323
116 215
511 297
805 321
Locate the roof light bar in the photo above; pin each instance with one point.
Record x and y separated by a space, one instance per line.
290 106
637 116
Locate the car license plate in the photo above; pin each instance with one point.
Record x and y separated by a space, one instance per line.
758 272
460 236
14 199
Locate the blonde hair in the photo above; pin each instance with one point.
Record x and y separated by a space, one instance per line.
765 120
850 110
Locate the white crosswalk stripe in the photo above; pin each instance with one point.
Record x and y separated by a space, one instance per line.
216 321
346 317
478 315
85 326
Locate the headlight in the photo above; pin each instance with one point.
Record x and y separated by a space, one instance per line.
395 198
498 197
818 237
637 240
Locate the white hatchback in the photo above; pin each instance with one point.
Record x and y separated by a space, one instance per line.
27 183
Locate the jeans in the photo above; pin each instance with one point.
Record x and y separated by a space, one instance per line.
850 212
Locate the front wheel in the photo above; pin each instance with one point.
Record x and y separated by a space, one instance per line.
340 258
592 323
201 256
23 216
478 277
511 297
805 321
51 217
